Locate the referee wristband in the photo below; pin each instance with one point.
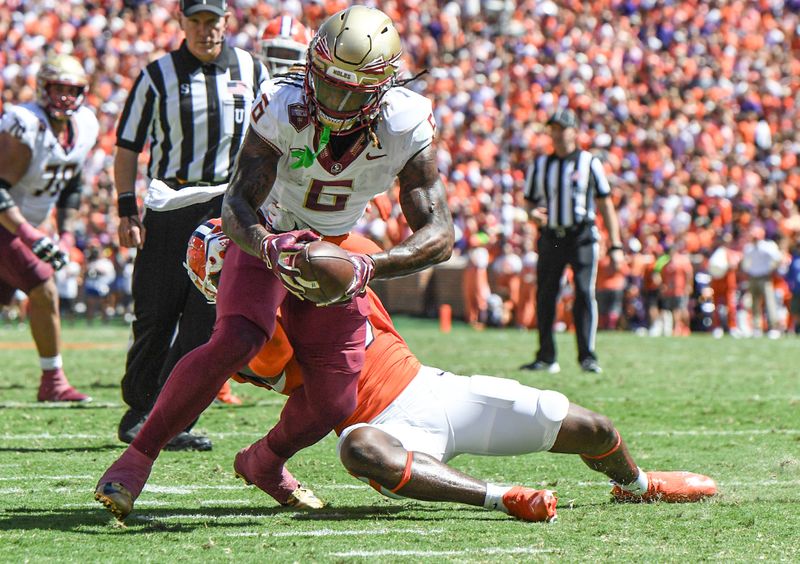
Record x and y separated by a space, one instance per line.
615 248
126 205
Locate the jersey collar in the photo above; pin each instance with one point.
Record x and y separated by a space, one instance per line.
226 59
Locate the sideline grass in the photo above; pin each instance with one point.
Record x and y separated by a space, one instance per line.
726 408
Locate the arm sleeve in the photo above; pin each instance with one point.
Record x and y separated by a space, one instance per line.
70 196
598 176
267 116
20 125
137 114
534 183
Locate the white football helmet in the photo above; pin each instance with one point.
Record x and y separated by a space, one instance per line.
284 43
61 85
205 255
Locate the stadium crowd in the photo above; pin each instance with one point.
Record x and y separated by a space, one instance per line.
691 104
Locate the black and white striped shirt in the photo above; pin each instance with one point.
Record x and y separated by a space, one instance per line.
194 115
567 187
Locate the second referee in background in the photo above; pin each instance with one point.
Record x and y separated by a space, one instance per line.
564 190
192 106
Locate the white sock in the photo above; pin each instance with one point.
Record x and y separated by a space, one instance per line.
494 497
639 485
50 362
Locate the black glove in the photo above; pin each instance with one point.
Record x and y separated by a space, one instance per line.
47 250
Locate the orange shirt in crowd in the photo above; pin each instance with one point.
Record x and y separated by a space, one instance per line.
676 276
609 278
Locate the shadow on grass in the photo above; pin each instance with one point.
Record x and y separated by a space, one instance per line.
185 519
98 448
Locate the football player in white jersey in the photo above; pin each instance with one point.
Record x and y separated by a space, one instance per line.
43 146
320 145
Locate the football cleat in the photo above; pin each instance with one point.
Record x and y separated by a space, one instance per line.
670 487
58 388
116 499
225 395
531 505
303 498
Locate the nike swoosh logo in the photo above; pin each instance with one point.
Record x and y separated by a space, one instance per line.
373 157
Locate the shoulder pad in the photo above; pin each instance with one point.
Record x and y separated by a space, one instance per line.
404 109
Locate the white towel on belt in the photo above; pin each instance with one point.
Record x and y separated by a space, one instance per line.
161 197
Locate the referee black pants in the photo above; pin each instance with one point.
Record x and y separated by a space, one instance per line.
579 249
165 301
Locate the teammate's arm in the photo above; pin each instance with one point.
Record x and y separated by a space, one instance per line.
15 158
423 201
251 183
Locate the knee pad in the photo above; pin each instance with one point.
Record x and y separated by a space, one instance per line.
553 406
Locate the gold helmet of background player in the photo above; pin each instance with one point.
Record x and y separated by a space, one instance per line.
61 85
352 63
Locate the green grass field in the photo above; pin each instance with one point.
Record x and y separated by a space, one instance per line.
727 408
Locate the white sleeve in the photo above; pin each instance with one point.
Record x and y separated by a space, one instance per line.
266 117
21 125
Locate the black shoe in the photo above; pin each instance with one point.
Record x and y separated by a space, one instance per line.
130 425
540 365
590 365
188 441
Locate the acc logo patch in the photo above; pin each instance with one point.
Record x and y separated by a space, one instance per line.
298 116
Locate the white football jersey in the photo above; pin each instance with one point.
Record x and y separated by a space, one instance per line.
331 195
51 167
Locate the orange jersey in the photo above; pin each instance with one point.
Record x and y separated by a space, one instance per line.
389 366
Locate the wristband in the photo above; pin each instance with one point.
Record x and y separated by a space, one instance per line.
126 205
615 248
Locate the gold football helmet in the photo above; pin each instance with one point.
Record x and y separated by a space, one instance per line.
61 85
352 63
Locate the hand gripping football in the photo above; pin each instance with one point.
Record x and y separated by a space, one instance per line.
326 272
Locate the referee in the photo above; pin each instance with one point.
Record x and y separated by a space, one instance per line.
564 190
191 105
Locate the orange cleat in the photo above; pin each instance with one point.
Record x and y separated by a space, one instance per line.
225 395
531 505
670 487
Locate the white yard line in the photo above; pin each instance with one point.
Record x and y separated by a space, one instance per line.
434 553
658 433
41 477
58 405
337 533
189 490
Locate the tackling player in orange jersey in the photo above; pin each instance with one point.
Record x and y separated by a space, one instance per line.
411 419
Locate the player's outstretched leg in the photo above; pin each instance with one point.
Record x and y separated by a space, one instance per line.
122 483
258 465
46 331
600 446
379 459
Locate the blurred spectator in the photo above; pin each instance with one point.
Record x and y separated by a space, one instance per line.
793 281
760 259
99 279
722 267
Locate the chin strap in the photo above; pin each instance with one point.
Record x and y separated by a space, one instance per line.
306 157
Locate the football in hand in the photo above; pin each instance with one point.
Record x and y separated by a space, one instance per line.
326 271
